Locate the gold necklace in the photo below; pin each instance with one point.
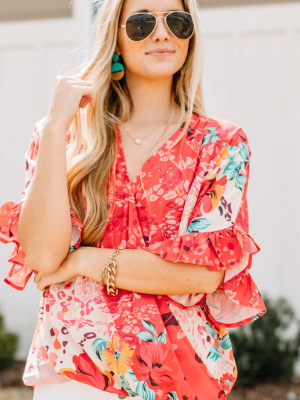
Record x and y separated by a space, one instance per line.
139 140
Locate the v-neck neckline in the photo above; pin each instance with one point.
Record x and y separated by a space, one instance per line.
120 143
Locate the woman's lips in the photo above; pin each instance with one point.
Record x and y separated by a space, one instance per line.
160 54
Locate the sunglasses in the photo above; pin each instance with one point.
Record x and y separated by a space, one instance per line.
139 26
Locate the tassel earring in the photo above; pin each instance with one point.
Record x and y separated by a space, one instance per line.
117 69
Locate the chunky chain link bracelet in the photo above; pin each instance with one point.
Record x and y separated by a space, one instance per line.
109 271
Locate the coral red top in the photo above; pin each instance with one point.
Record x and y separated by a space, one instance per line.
192 210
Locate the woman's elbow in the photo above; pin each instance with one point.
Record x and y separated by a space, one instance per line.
44 259
40 265
47 262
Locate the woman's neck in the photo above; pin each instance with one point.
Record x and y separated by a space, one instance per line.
152 100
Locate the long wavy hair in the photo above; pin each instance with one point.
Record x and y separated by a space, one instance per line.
91 152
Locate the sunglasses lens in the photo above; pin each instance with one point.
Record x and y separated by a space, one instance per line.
140 26
181 24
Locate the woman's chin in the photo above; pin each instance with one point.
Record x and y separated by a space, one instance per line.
160 73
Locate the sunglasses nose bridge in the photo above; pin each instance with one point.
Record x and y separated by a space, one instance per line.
165 22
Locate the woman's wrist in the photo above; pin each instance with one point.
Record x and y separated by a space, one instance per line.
109 271
91 261
103 276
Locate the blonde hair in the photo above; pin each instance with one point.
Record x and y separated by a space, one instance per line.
91 153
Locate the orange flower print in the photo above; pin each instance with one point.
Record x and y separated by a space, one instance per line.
224 154
118 355
214 195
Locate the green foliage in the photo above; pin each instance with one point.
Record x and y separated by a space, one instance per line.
265 350
1 323
8 346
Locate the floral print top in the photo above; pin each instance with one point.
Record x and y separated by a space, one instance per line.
193 210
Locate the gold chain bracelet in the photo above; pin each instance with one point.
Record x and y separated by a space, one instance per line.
109 271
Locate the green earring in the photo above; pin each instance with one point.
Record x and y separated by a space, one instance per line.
117 69
181 69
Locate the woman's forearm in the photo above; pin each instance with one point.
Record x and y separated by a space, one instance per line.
45 221
144 272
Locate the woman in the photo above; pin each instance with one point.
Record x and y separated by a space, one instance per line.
127 153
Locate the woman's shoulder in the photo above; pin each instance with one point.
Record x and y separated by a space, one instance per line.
208 130
203 124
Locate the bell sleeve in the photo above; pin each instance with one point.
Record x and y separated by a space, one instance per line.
215 232
20 272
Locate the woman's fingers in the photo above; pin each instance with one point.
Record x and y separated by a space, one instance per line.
43 284
45 280
38 276
68 94
42 280
66 271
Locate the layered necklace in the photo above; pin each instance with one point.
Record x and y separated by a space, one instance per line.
139 140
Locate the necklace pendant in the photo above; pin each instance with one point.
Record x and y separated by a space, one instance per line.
138 141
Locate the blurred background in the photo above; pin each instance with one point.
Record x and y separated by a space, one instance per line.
251 77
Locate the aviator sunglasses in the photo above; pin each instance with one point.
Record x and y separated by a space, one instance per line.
139 26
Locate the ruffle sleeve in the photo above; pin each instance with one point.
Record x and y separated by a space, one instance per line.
214 230
20 272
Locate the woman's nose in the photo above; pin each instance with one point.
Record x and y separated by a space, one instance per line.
161 28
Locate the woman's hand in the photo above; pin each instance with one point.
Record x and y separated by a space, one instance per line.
85 260
68 94
68 269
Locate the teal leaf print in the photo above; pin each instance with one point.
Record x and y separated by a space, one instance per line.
206 139
212 129
225 342
240 181
173 396
98 346
144 391
198 224
132 375
210 329
213 353
146 336
150 327
210 137
232 174
126 386
162 337
232 166
244 151
214 138
232 148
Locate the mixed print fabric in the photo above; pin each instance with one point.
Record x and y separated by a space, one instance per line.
188 207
